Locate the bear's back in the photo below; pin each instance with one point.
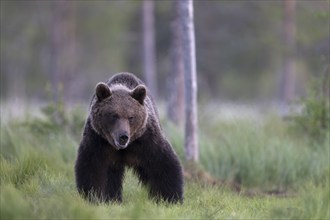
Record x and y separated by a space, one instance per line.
126 79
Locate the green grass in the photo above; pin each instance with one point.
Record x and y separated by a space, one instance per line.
37 179
263 155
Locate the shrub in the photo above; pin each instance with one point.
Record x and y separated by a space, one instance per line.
314 120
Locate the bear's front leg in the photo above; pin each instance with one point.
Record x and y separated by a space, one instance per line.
91 168
91 175
163 175
167 185
95 179
115 176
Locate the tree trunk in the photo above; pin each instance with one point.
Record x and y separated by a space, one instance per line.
287 86
62 63
149 52
175 83
189 58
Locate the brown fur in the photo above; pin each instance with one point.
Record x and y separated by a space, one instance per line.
121 130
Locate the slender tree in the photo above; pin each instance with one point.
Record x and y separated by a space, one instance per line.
189 58
62 63
62 60
175 82
149 51
287 85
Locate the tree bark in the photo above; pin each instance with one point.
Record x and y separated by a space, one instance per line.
175 84
189 58
62 63
149 51
287 86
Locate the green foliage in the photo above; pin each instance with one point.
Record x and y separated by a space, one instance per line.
12 199
314 120
314 204
256 152
37 178
56 118
260 154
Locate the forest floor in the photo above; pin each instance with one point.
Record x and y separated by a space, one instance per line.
249 169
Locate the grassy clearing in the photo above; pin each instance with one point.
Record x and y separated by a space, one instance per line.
37 159
262 154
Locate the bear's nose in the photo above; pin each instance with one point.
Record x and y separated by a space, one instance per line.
123 139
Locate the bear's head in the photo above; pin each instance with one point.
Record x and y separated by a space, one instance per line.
118 114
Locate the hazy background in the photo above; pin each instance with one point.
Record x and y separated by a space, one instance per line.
253 58
76 44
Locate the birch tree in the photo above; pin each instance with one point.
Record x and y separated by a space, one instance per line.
287 84
175 84
149 51
189 60
62 62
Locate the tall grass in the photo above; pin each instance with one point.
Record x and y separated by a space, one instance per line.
258 153
37 180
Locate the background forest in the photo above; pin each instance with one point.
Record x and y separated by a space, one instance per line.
239 46
257 160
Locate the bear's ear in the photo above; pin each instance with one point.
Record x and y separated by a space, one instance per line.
139 93
102 91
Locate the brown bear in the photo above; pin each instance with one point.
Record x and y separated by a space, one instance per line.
123 129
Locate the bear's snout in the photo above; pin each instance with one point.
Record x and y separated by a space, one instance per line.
121 140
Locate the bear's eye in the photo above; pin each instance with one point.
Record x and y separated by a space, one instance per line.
131 119
114 116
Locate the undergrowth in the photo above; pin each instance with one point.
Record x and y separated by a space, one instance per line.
37 180
258 153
